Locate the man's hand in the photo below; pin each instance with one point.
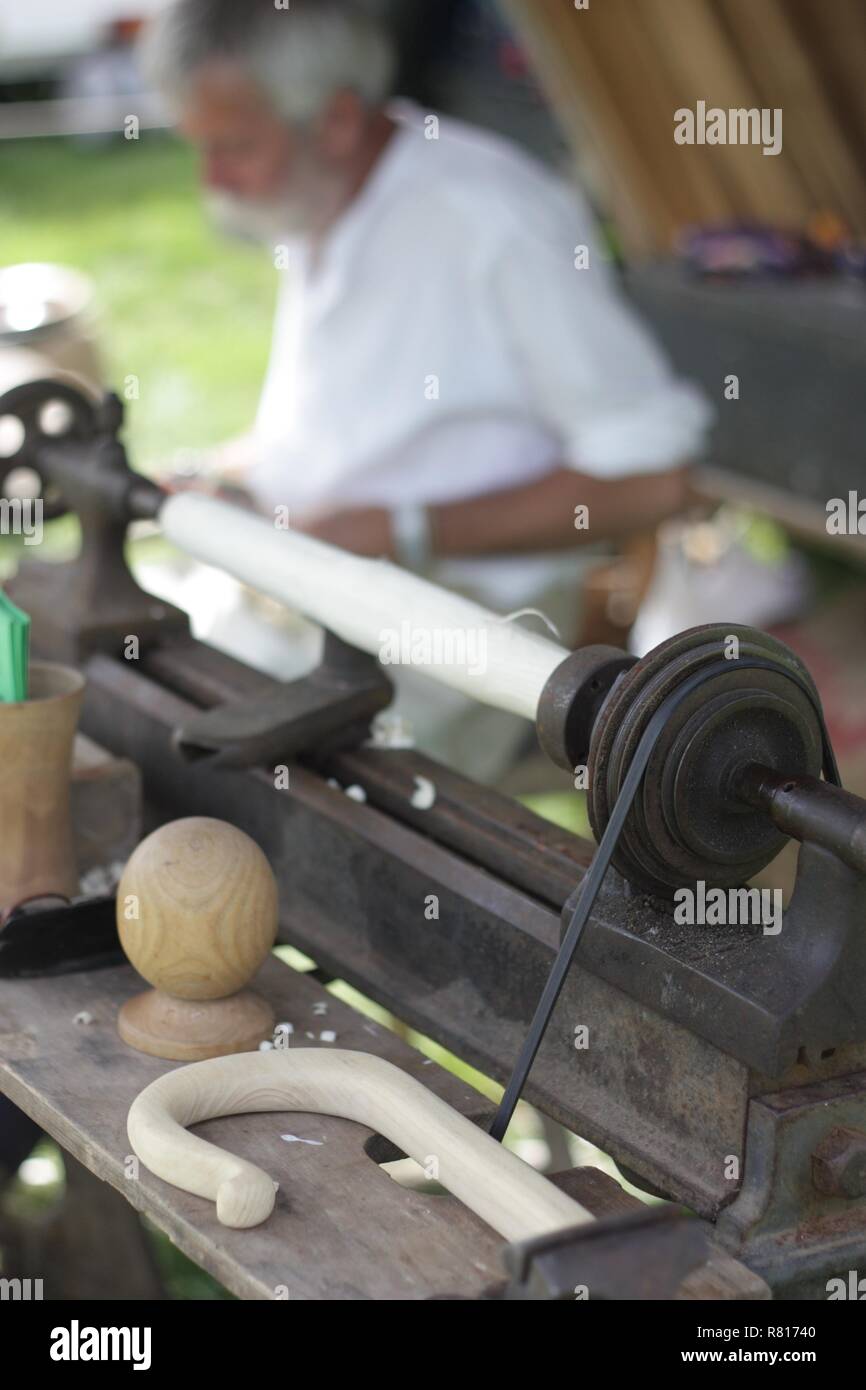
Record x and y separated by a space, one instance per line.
543 514
534 516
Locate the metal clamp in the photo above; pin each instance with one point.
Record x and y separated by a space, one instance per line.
643 1254
328 710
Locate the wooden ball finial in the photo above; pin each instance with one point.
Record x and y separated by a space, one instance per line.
196 915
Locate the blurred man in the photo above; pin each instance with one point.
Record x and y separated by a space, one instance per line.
454 381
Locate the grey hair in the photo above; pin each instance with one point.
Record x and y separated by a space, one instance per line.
299 53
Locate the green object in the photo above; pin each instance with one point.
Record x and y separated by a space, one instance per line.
163 277
14 651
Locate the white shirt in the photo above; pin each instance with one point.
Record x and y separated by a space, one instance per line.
446 345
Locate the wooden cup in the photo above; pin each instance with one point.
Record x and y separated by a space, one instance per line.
37 855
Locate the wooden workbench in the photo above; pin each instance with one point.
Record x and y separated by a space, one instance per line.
342 1227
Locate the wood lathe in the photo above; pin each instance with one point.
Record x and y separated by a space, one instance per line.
726 1065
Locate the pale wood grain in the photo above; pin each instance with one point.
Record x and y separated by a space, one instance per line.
196 915
37 853
197 908
363 600
499 1187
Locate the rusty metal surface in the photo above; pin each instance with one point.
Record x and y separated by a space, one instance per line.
572 698
634 1255
92 602
332 706
491 830
808 809
793 1234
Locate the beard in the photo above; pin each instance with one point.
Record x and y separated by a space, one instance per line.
257 220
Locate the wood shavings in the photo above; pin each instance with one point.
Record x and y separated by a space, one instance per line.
390 731
424 795
355 791
101 879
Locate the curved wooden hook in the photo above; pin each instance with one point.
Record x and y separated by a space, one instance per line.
513 1198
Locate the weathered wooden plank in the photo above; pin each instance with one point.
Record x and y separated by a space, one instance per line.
342 1228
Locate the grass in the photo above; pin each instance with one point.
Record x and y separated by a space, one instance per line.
184 311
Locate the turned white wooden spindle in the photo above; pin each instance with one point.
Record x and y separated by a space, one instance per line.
504 665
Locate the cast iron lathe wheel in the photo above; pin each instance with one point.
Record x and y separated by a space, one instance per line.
685 825
46 412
